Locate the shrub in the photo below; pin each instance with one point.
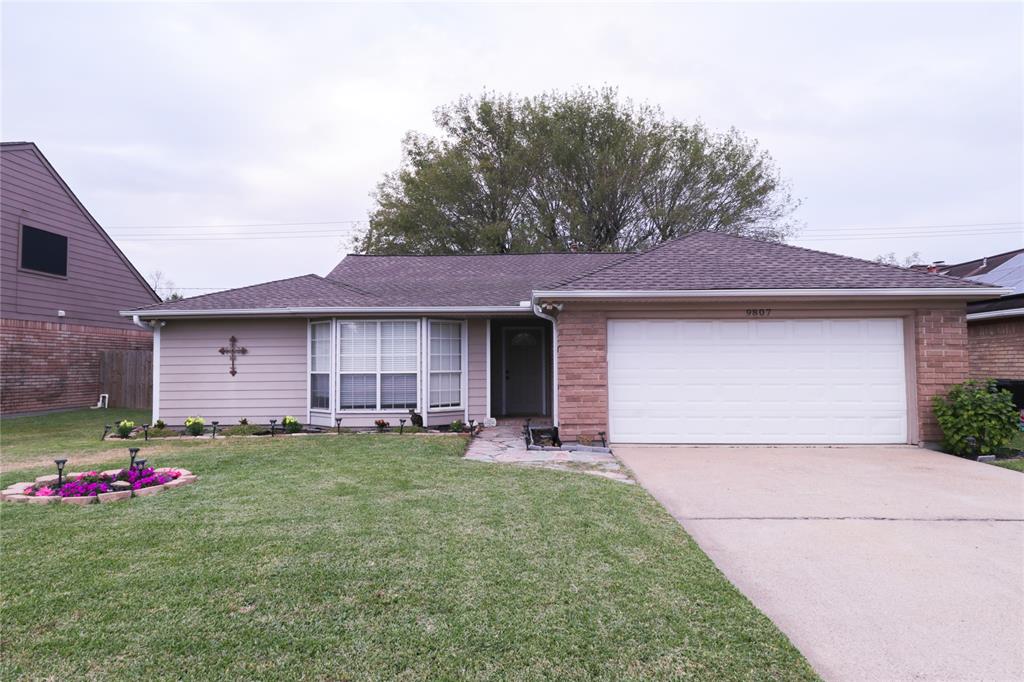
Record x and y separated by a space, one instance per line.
125 428
457 426
160 424
244 421
976 418
194 426
291 425
382 425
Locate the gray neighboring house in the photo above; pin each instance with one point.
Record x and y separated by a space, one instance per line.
63 282
708 338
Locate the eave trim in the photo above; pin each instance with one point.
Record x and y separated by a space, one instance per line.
934 292
315 312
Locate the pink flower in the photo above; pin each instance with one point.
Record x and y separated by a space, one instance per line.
45 492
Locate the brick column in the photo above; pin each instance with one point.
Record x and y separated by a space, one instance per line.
582 373
941 361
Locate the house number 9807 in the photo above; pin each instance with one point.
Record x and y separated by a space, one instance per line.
759 312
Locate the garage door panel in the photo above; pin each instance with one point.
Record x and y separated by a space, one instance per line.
757 381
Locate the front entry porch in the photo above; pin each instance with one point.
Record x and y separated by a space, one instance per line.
521 368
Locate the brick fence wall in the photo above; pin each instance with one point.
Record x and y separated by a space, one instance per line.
47 365
996 349
940 345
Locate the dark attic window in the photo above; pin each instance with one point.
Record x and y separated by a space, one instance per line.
44 251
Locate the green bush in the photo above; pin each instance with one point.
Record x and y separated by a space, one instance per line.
457 426
160 424
291 425
194 426
125 428
979 411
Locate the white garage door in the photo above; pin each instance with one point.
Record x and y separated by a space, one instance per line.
757 381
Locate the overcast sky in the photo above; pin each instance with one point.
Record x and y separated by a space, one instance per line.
892 122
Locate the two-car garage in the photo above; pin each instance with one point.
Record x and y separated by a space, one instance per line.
757 380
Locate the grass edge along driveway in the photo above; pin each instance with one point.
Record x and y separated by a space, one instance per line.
372 557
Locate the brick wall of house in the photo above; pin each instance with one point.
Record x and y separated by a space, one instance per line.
47 365
996 349
582 373
940 348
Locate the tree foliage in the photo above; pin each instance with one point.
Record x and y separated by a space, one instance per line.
578 171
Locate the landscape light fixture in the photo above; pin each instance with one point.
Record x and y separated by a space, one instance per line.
106 430
132 453
145 431
401 426
604 441
215 423
141 463
60 471
337 424
272 423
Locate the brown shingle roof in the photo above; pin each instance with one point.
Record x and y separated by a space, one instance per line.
502 280
305 291
702 260
711 260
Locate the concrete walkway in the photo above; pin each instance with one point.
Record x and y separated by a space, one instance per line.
879 563
504 444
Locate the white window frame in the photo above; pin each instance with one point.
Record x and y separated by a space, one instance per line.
331 362
463 366
337 371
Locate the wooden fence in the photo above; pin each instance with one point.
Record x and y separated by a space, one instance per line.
127 376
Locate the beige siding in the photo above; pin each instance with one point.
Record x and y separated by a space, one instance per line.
271 380
270 383
478 368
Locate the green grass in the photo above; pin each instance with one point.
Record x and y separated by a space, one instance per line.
366 557
1014 464
25 440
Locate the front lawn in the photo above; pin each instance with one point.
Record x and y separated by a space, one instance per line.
364 557
33 440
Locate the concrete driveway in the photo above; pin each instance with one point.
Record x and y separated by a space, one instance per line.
879 563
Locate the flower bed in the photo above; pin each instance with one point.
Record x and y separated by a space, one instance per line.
106 486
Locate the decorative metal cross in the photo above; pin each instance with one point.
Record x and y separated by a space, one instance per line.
233 350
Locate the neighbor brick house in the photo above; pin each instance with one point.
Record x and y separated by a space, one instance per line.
62 283
995 328
708 338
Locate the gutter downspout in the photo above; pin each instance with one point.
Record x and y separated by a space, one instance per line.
554 357
153 326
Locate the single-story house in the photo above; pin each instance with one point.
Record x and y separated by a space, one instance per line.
995 328
708 338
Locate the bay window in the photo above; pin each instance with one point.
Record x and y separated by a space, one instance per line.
445 364
377 364
320 366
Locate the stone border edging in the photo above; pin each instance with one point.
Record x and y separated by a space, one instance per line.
14 492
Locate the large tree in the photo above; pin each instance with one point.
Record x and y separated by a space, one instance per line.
578 171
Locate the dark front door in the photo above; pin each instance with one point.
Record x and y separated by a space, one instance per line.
524 389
